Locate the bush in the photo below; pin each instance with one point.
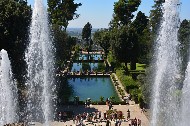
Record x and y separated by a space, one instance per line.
86 66
141 101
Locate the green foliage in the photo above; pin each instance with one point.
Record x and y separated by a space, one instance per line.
142 50
139 89
124 9
145 82
184 39
86 36
60 40
156 16
101 98
145 47
15 18
77 48
125 45
86 32
64 90
101 67
111 58
86 67
140 22
62 11
126 80
63 44
102 37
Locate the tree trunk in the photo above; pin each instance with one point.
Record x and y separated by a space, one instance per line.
133 64
126 68
133 67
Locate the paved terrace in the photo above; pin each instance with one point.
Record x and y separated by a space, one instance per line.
134 109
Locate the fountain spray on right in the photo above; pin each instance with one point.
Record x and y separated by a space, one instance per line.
165 101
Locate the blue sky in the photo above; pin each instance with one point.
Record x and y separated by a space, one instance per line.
99 12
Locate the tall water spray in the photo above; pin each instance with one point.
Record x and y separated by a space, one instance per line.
40 61
165 102
8 91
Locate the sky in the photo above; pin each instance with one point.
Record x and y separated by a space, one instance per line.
99 12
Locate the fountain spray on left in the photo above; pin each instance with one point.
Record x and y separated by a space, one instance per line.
8 91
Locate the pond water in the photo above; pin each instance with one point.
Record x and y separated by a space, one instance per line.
93 88
78 66
94 57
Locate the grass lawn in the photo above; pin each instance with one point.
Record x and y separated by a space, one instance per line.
139 67
125 80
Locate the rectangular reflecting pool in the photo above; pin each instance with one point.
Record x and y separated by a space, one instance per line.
93 88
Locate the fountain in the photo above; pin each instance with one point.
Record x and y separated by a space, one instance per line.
40 62
165 101
8 91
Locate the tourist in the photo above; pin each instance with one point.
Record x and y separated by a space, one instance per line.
120 121
139 122
77 119
64 116
132 122
81 121
108 123
127 100
115 115
128 114
99 114
73 120
59 116
135 121
107 101
143 110
105 115
110 105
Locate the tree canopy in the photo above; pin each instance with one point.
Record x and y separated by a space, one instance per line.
14 31
102 37
156 16
86 32
184 39
62 11
123 10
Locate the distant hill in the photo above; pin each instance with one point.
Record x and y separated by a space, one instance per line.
77 32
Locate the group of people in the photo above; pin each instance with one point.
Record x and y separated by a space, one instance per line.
62 116
135 122
90 117
109 103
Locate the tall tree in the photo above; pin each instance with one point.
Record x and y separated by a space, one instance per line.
86 36
124 45
156 16
126 41
63 44
102 37
14 30
140 24
184 39
124 9
62 11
